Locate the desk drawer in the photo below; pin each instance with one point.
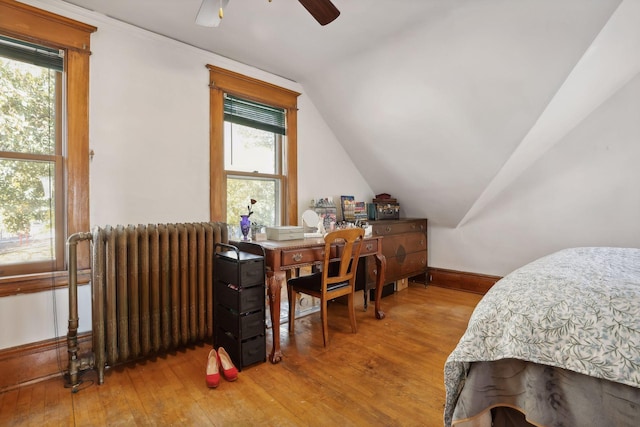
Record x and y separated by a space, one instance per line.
303 256
370 247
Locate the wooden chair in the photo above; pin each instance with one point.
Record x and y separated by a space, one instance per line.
336 279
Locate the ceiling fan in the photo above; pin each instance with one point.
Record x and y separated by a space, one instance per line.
212 11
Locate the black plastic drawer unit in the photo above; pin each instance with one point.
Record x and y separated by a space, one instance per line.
240 299
248 270
239 303
250 351
245 325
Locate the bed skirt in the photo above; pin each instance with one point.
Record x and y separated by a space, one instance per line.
543 396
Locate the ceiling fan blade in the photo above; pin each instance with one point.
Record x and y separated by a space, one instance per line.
208 15
323 10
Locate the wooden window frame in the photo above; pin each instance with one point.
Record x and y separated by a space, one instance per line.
31 24
223 81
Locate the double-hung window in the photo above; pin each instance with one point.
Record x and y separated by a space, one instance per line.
31 190
253 140
44 145
253 150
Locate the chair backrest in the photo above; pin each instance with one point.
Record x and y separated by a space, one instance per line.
349 254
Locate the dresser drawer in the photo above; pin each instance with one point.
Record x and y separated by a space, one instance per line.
385 228
399 268
413 264
401 244
372 273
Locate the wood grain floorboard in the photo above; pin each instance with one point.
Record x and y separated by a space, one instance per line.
390 373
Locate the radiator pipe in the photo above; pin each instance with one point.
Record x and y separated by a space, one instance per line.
72 334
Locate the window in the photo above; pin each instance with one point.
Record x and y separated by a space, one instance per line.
253 149
44 151
31 188
253 138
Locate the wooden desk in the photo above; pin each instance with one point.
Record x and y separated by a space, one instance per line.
289 254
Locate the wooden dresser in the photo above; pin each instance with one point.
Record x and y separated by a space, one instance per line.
404 245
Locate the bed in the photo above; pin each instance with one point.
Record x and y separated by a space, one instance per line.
554 343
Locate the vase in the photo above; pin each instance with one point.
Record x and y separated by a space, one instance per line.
245 226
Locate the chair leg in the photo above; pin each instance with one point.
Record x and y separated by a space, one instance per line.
352 312
325 325
291 295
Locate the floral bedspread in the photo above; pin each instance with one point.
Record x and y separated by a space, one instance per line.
577 309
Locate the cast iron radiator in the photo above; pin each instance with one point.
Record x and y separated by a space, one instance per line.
151 291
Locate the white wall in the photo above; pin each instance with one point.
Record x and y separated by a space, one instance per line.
324 168
149 130
583 192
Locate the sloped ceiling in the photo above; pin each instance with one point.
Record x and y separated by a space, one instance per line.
442 103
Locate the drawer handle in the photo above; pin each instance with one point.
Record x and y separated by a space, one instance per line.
421 242
297 257
369 246
388 228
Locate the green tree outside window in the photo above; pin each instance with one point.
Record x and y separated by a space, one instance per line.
28 150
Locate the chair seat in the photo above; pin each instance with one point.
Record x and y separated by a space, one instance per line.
313 282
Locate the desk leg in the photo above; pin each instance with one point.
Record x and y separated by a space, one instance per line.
274 287
381 267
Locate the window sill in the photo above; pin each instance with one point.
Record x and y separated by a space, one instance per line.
32 283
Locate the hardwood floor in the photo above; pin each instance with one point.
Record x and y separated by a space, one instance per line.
390 373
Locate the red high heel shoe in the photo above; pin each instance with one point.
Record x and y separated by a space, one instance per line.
229 370
213 370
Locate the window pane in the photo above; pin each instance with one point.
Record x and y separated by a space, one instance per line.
27 230
27 108
266 193
248 149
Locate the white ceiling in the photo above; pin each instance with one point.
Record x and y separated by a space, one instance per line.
437 101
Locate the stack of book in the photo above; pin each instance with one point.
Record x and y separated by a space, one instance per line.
360 211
